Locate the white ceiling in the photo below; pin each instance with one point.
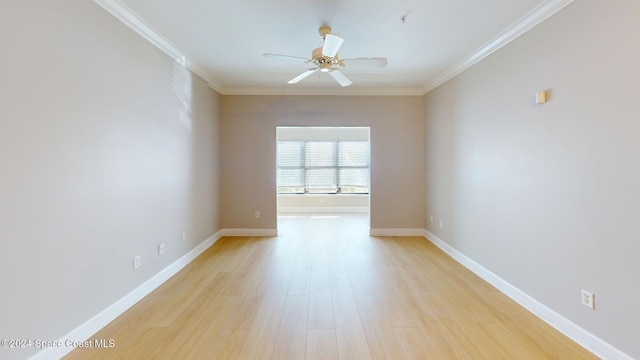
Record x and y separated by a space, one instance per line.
223 40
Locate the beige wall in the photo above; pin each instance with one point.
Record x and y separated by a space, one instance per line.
249 153
107 148
547 197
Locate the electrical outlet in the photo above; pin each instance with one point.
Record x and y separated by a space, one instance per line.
184 236
431 218
441 224
257 214
161 249
137 262
588 299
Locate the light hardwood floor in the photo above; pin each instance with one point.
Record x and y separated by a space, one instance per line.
324 290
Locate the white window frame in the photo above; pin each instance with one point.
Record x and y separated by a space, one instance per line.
338 186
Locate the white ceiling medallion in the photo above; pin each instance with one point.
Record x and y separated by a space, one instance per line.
527 22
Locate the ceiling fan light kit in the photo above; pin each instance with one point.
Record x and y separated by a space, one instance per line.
326 59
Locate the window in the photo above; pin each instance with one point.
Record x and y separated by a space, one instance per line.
323 167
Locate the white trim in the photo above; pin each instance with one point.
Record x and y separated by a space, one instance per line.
93 325
205 75
137 24
216 86
329 91
396 232
589 341
526 23
123 13
322 209
249 232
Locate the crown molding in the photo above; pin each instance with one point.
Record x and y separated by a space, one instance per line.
123 13
216 86
526 23
137 24
335 91
204 74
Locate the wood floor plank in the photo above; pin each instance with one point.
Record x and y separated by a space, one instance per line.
326 290
209 343
413 344
352 342
235 253
401 306
243 312
504 338
321 345
377 328
291 340
320 301
361 275
301 277
462 337
445 342
178 300
264 329
232 344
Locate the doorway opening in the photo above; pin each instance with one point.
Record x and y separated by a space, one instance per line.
322 172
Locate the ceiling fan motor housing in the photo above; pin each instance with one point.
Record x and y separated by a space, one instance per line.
323 61
316 53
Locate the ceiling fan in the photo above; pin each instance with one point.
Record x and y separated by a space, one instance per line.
326 59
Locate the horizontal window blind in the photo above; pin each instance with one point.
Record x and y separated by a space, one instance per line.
323 167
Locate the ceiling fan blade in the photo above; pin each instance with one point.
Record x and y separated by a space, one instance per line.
288 57
341 78
298 78
331 45
366 62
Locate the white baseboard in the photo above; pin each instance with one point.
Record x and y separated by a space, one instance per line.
249 232
322 209
93 325
396 232
581 336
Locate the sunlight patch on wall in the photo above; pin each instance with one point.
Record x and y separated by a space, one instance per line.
170 96
182 87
